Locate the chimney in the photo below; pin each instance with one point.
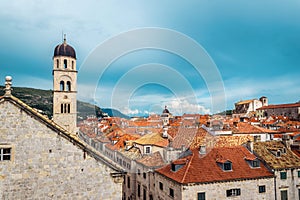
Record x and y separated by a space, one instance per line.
8 84
250 146
202 150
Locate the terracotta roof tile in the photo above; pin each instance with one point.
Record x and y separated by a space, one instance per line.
153 160
204 169
153 139
289 105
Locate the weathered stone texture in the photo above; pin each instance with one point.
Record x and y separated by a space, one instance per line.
45 165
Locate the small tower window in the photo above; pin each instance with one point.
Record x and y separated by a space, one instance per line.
65 108
62 85
61 108
57 63
65 63
72 64
69 108
68 86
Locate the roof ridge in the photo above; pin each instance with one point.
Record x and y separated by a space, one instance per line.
187 168
64 133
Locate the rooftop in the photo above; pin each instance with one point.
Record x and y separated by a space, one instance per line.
284 160
204 169
152 139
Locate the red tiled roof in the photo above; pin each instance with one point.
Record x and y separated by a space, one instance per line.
205 169
153 160
290 105
184 137
246 128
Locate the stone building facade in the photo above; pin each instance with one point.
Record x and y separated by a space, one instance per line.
39 159
249 189
285 165
247 108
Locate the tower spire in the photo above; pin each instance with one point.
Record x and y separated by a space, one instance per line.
65 40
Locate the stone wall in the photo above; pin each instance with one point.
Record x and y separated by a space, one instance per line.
291 183
45 165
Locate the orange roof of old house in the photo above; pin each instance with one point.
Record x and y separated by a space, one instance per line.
205 169
233 140
204 138
153 160
184 137
246 128
172 131
290 105
121 141
152 139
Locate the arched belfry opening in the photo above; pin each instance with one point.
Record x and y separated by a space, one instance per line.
68 86
62 86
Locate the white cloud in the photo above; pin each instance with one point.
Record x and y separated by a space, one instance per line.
179 107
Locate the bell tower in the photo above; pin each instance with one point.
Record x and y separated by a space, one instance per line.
65 87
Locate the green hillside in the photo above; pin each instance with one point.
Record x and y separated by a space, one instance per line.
43 100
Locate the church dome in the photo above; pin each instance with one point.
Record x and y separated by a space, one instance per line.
166 110
64 50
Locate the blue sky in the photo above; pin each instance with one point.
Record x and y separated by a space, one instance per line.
255 46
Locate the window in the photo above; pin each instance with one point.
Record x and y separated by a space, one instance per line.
282 175
62 85
65 108
65 63
148 150
175 167
255 163
227 166
283 195
201 196
171 192
5 154
139 190
68 86
161 186
278 153
233 192
144 193
261 188
128 182
57 63
139 172
144 175
299 173
72 64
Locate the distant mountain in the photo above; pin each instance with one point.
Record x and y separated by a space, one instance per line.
114 113
43 101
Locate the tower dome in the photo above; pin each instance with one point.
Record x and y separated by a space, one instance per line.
64 50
